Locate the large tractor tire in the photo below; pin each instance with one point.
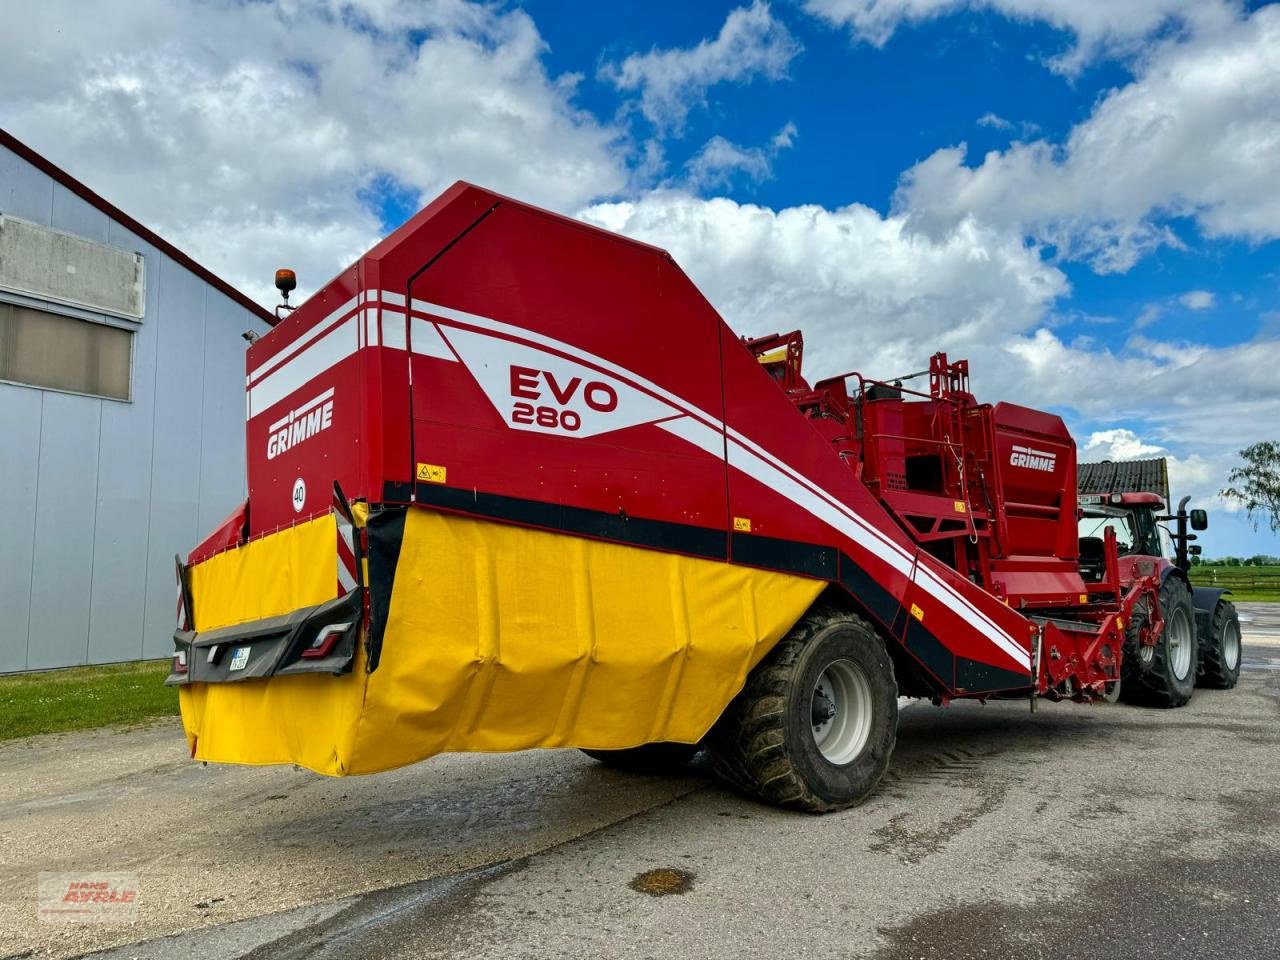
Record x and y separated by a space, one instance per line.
1163 674
653 758
1220 658
815 725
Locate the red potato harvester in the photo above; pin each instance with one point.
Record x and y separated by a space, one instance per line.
514 483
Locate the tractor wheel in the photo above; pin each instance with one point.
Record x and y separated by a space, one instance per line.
815 725
652 758
1163 674
1220 660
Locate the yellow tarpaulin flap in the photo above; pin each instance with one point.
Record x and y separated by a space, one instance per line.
503 638
267 577
307 719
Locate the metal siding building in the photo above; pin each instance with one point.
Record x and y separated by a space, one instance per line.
100 493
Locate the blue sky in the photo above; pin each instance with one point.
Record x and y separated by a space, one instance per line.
1078 196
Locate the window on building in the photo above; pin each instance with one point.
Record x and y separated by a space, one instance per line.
58 352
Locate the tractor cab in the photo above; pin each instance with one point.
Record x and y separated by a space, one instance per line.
1132 517
1140 523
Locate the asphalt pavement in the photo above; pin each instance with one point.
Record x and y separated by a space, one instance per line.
1076 831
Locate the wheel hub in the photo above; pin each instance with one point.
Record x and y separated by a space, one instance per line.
1178 637
841 712
1230 645
823 709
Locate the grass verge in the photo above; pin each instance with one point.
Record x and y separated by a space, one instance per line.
84 697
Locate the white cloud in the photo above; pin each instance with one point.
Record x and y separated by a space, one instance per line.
1195 475
1197 299
1111 27
1194 135
720 161
868 292
873 295
785 137
751 43
1023 128
253 135
1116 444
1148 315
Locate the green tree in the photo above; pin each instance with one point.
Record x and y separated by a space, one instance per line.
1255 485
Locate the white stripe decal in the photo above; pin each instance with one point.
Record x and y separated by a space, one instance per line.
753 460
778 481
294 349
393 330
932 584
345 578
697 433
428 342
859 531
304 367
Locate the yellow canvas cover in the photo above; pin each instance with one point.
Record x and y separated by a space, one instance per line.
498 638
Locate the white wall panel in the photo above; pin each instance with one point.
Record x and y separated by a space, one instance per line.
24 191
176 440
19 469
73 215
124 492
222 479
62 561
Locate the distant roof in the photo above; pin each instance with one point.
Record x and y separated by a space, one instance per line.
10 142
1125 476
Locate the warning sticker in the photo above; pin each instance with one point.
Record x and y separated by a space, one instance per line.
917 613
431 473
742 524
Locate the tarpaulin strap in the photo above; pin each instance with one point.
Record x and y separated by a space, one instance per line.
183 617
348 562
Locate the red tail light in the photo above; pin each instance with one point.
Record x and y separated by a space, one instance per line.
325 641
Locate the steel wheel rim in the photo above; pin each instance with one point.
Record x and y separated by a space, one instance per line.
1178 635
1231 645
843 735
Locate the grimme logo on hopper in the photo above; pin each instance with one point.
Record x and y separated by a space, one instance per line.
301 424
1033 459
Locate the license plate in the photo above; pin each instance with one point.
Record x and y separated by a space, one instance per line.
239 658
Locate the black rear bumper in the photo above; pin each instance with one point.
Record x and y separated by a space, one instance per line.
275 646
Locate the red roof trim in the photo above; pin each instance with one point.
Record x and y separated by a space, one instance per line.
10 142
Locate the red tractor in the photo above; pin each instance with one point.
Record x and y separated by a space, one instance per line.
1200 642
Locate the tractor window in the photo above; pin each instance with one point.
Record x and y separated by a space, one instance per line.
1097 527
1166 542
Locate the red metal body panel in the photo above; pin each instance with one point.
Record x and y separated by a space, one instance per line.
495 359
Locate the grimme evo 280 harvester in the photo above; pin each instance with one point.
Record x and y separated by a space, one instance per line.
513 483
